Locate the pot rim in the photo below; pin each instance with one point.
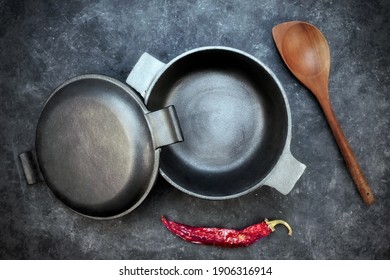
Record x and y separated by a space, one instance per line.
287 141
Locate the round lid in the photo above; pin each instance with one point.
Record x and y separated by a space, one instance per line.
94 147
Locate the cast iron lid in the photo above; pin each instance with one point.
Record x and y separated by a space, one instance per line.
97 145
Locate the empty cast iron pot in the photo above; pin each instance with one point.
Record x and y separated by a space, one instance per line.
235 120
97 147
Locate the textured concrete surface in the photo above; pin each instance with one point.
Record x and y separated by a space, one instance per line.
44 43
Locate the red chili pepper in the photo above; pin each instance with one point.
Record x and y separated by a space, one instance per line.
222 236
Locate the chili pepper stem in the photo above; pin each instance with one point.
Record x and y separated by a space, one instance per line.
272 224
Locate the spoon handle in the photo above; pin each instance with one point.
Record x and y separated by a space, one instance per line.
348 155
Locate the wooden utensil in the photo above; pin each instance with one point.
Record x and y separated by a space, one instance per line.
306 53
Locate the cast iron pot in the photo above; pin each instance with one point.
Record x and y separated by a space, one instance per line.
97 147
235 120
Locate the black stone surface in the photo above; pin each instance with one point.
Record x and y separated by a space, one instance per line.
44 43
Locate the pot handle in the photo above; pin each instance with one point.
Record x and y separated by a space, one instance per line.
143 73
165 127
30 167
286 173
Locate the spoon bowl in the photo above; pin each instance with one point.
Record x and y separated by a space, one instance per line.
312 50
306 53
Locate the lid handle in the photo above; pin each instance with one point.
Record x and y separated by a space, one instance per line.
165 127
30 167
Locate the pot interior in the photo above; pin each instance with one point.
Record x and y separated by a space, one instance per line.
234 121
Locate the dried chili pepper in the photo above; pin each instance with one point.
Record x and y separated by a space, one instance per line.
222 236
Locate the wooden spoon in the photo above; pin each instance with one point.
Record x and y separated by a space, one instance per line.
306 53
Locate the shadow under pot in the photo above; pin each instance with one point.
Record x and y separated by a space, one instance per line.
97 146
235 120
